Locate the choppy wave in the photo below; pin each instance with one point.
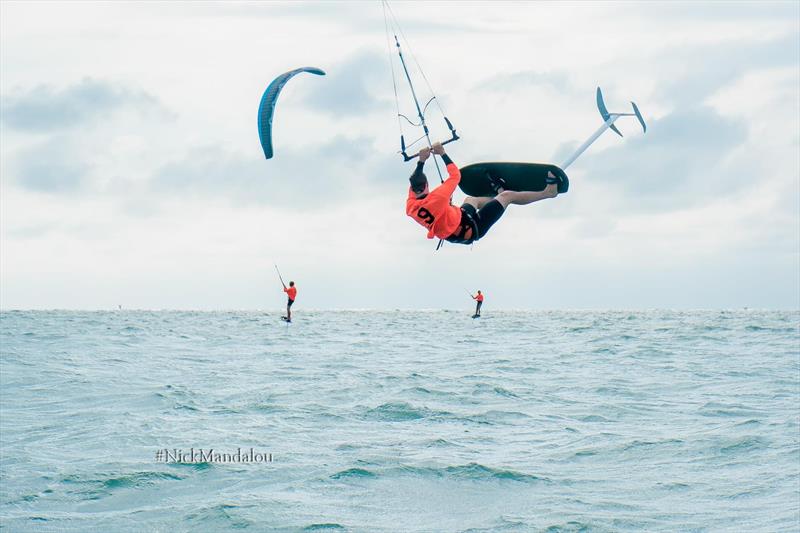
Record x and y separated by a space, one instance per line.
541 421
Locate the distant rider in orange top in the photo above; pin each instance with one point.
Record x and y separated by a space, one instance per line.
471 221
479 298
291 292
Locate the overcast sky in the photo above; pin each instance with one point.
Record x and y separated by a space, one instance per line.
132 172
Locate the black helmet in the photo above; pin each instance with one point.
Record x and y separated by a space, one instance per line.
418 182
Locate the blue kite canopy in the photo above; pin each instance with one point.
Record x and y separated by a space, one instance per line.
267 106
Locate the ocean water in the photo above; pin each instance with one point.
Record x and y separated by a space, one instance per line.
400 421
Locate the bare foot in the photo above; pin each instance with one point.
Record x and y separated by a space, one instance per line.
551 190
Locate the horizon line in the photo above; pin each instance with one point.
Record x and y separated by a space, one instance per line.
397 309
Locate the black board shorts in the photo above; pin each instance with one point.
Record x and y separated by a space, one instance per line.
289 303
479 220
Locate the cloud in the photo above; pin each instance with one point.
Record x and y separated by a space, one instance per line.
681 160
48 109
299 179
128 194
354 16
31 231
717 11
348 90
82 142
698 72
558 80
53 166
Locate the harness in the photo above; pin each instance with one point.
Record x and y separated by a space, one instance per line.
473 224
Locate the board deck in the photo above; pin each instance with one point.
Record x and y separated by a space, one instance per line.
518 176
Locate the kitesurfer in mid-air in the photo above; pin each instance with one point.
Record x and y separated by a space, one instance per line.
291 292
479 299
471 221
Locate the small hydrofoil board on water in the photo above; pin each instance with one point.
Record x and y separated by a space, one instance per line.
476 316
285 319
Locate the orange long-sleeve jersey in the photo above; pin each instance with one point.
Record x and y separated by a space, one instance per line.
291 292
434 211
478 297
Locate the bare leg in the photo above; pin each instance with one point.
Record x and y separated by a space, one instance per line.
528 197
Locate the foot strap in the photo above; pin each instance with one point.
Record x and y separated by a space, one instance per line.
496 183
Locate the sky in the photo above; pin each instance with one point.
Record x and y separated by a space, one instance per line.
131 172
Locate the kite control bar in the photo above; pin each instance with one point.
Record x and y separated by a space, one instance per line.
420 111
454 137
